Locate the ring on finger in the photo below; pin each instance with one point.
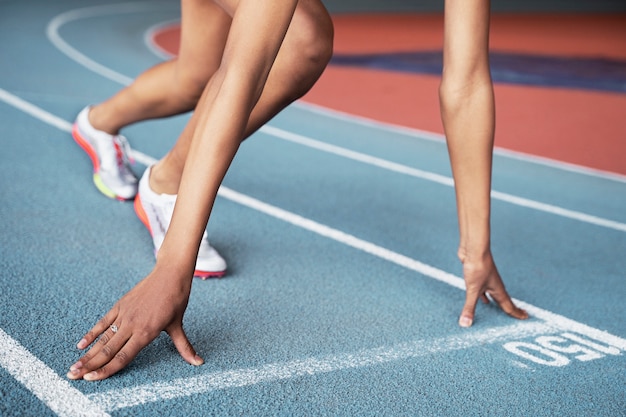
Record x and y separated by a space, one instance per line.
114 328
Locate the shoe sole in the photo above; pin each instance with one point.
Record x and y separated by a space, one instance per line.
91 152
141 213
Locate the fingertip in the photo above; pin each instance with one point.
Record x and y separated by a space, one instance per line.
91 376
82 344
184 346
71 375
465 321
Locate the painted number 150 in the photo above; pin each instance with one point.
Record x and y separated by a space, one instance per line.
560 350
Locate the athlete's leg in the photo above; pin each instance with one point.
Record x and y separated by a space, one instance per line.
303 55
174 86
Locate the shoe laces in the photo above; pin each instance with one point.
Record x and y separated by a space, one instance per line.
122 152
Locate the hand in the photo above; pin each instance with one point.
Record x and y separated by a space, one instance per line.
156 303
482 278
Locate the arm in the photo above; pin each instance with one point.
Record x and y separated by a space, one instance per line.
468 115
159 301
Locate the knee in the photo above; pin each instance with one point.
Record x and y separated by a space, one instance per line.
189 84
308 49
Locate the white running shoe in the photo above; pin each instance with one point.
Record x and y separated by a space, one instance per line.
109 154
155 211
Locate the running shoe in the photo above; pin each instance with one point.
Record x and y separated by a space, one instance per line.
155 212
109 154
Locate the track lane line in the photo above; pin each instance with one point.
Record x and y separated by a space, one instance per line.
55 392
66 126
439 179
440 138
551 320
113 400
52 32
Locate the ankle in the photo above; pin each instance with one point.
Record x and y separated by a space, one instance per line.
98 121
162 181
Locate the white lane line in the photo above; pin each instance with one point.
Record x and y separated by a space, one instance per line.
438 137
440 179
337 235
182 387
409 263
149 38
346 153
36 112
552 320
134 7
53 34
43 382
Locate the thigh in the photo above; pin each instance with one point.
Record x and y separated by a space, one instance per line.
204 29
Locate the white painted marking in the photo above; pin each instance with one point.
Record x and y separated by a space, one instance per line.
558 211
36 112
438 137
43 382
555 343
521 349
52 32
182 387
149 40
609 350
337 235
440 179
552 320
304 367
77 56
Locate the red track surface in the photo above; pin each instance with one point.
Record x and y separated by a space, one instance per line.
582 127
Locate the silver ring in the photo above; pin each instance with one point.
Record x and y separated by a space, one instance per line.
113 328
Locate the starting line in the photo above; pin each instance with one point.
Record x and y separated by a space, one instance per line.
65 400
48 385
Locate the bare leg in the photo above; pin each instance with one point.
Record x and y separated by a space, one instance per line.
175 86
303 55
159 301
468 114
172 87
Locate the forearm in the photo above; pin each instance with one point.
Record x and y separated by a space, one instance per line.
468 117
256 34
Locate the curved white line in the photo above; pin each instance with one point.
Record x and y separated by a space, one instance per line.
148 38
438 137
54 37
58 21
228 379
52 32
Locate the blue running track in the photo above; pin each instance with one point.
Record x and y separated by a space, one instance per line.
343 288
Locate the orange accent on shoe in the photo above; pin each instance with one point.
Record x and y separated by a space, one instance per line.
141 213
208 274
86 147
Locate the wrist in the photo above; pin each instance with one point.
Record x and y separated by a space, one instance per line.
474 252
174 268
